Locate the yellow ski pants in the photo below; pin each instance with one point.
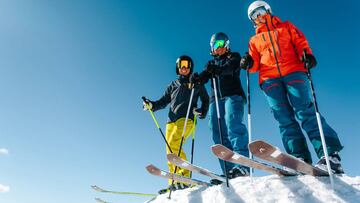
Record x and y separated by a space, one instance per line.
173 136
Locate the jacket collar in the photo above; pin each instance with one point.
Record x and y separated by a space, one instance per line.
271 21
184 79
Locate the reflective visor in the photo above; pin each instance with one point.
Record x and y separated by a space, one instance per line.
219 44
184 64
257 12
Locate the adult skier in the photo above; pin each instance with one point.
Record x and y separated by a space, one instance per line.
224 67
178 94
278 52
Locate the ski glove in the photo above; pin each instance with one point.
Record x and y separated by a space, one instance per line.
212 68
309 61
195 79
199 113
246 62
147 105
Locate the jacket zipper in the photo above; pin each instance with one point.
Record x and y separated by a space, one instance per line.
272 44
218 81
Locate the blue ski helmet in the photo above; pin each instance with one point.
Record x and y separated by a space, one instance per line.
186 60
219 39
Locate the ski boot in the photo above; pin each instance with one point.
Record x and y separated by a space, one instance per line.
175 186
238 172
335 164
216 181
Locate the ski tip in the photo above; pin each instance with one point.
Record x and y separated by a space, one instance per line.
258 144
217 147
152 169
221 151
100 200
95 188
149 167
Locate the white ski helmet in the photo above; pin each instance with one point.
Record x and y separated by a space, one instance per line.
256 5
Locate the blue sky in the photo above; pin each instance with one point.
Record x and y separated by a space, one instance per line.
72 74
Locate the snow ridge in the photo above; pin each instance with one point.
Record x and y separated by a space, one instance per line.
301 189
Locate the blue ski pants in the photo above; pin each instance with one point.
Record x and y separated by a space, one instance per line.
289 99
234 132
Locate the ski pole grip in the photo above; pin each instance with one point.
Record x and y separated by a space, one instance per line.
304 58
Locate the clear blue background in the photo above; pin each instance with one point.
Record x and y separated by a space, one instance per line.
72 74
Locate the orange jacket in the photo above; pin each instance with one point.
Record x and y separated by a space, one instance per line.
277 49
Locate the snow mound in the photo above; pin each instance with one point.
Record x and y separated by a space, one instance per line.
302 189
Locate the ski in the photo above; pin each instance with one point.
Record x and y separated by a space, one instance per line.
100 200
157 172
191 167
268 152
226 154
97 188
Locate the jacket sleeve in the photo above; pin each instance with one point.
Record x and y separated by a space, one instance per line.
255 55
299 40
204 97
204 76
164 100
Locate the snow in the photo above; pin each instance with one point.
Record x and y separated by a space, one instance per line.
300 189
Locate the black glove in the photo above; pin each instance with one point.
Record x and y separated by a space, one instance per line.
147 104
195 79
309 60
198 112
246 62
212 68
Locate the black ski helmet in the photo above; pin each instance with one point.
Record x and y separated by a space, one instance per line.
184 58
217 37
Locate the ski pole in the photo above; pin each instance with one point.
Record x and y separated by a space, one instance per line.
156 123
193 144
183 132
219 125
318 118
249 116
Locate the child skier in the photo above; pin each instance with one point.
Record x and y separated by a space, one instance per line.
276 52
178 94
226 70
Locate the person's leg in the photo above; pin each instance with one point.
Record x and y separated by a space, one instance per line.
214 127
189 127
237 131
173 136
299 96
293 138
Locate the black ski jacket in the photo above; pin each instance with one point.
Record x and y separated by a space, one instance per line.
177 94
228 81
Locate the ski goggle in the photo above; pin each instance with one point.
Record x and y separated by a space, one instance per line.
219 44
184 64
258 12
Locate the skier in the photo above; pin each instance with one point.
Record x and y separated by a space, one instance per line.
277 52
225 68
177 94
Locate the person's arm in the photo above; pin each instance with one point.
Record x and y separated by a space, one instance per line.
299 40
164 100
204 76
204 97
255 55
